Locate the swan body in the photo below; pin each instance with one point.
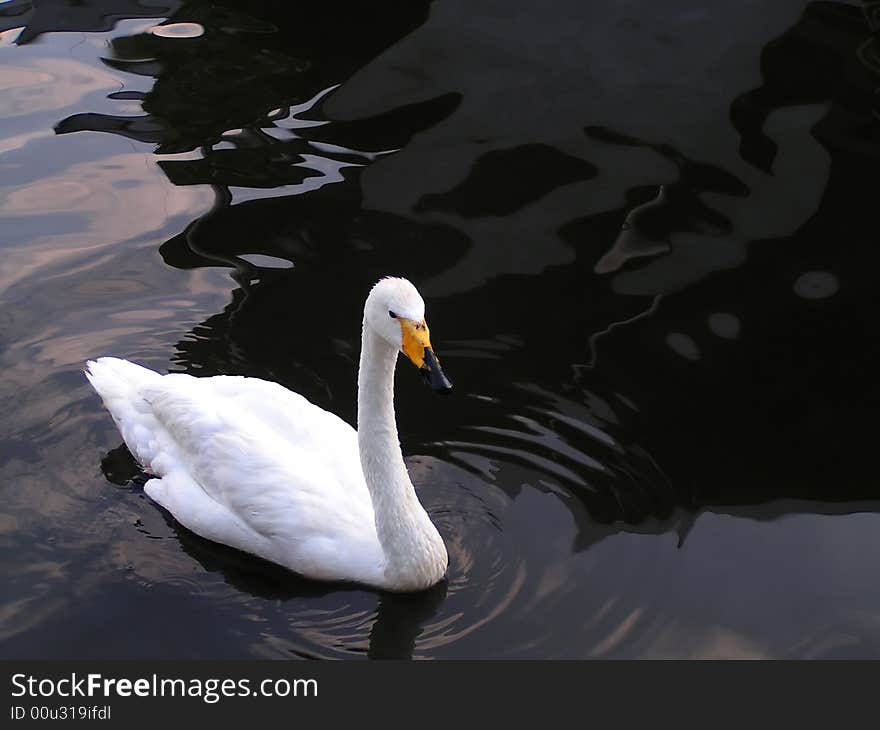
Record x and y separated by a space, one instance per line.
247 463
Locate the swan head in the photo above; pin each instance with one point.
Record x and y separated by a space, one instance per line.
396 312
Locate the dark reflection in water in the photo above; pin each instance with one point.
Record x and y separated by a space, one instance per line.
808 64
678 205
653 289
47 16
503 181
263 118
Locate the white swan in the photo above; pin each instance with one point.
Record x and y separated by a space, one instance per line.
248 463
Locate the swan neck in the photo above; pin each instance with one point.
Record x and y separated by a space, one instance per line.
377 425
414 551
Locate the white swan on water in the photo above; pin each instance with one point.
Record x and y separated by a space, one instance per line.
250 464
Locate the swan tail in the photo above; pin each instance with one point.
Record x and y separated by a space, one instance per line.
119 384
109 370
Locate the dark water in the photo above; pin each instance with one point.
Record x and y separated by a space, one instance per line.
647 234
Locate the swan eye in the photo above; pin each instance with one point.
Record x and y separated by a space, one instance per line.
392 314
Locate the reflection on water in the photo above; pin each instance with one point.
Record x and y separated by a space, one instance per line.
654 294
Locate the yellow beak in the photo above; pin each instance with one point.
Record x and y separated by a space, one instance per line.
417 347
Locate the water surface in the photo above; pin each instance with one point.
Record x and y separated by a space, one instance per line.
647 237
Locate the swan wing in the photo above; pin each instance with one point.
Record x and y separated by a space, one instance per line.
248 463
302 424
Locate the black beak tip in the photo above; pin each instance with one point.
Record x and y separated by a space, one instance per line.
434 375
441 386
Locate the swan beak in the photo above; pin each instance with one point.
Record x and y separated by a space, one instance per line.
417 347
